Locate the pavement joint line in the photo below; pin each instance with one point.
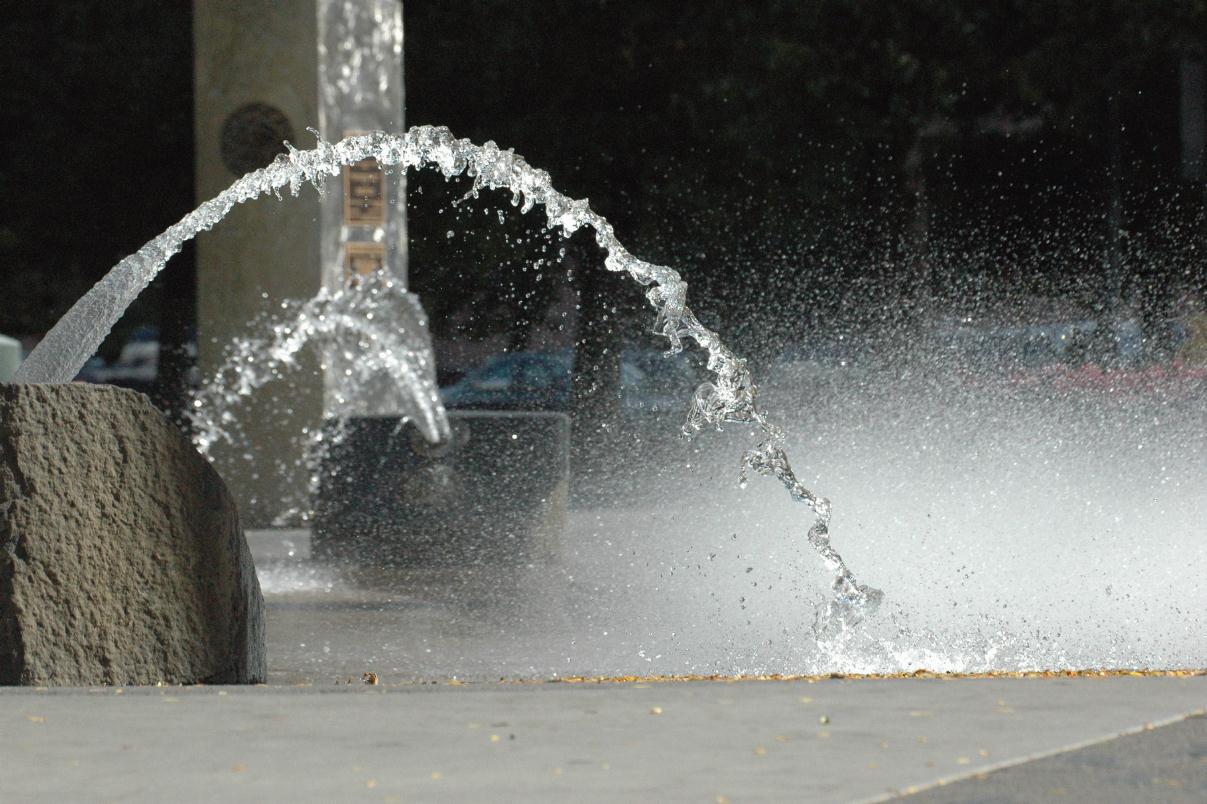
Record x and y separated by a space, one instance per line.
1093 672
587 681
1102 673
1015 762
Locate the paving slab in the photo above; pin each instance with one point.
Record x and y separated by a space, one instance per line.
708 741
1167 764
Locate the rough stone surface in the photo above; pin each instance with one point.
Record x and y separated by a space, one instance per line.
122 560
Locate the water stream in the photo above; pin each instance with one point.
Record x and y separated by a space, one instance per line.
373 348
731 396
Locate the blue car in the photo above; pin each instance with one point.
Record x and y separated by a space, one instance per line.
515 381
650 383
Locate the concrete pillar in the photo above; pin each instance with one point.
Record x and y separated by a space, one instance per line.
361 89
258 70
363 220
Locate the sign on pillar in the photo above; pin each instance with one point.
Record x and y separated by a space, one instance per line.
364 221
265 71
360 85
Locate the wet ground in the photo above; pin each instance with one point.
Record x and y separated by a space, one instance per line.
385 685
330 623
1008 531
617 603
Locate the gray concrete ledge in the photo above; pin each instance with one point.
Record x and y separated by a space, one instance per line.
834 740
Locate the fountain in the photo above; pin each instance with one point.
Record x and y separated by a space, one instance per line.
373 330
729 397
1001 520
1021 520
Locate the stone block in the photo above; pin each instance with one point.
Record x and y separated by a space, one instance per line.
122 560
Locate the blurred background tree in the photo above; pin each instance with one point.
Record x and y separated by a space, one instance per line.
840 163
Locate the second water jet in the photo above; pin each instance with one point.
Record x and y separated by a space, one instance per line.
729 397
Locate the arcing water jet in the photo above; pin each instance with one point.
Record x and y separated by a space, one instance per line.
729 397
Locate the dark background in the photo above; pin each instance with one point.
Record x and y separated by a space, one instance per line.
809 167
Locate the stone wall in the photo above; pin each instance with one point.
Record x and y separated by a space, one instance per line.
122 560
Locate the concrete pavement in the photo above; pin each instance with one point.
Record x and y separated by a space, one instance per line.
1163 764
418 736
832 740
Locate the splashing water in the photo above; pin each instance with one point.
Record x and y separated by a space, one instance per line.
371 337
374 332
730 397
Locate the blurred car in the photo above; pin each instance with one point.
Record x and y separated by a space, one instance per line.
819 363
1070 356
137 365
93 370
514 381
655 382
11 355
650 382
1008 349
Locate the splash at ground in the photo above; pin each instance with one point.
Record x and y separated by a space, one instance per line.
1014 530
1008 532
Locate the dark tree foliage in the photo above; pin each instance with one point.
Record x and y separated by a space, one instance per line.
837 164
834 162
96 157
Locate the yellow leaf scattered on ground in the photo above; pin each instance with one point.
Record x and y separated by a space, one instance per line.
643 681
